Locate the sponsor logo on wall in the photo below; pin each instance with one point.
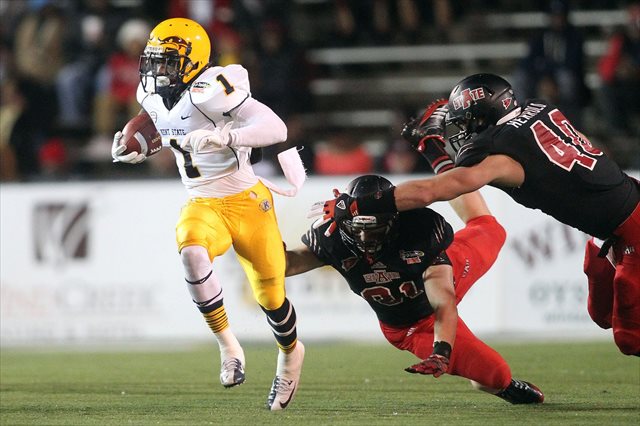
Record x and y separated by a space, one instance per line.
60 232
542 255
552 242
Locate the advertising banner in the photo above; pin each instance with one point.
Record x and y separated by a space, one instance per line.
96 262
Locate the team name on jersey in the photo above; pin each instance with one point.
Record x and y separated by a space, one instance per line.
380 277
172 132
529 112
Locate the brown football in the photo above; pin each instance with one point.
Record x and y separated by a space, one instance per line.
140 135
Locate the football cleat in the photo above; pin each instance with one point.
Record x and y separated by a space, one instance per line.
231 373
521 392
285 384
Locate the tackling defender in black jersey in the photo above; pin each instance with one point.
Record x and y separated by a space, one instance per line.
534 154
413 271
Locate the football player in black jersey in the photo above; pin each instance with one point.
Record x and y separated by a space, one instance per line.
413 271
535 155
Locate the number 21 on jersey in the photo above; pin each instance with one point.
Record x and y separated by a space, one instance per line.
567 150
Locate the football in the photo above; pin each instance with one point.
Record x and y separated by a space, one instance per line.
140 135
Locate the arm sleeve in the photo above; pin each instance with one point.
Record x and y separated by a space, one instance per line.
258 125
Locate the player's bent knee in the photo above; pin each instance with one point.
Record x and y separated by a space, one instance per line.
269 292
496 229
627 341
194 254
600 316
191 233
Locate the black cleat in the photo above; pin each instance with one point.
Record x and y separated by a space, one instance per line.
521 392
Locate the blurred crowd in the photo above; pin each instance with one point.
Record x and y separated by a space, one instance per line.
69 72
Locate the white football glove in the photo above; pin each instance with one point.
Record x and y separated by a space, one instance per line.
202 140
117 149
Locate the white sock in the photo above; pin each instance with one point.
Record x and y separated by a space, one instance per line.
229 345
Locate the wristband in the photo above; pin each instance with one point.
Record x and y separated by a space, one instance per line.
442 348
433 150
379 202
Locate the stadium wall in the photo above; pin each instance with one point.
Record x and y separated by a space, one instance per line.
96 263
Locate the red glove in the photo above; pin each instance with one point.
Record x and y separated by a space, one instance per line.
342 207
435 364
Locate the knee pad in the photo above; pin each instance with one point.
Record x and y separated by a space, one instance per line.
269 292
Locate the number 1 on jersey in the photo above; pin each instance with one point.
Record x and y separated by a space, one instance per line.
228 88
190 169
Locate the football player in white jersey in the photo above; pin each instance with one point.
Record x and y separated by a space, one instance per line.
207 117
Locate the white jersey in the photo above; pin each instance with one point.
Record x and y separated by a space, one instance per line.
206 104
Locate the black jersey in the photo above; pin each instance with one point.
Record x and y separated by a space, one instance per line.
393 284
565 176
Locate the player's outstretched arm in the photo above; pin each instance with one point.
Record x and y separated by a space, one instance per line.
498 169
301 260
438 283
469 206
440 291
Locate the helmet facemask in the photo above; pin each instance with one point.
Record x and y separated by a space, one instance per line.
368 235
166 71
467 126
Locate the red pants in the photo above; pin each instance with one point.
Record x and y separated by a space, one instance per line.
473 251
614 288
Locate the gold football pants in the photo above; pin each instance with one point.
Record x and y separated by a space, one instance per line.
248 221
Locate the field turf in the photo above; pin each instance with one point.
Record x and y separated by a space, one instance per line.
342 384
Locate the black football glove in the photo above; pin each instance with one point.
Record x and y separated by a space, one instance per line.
432 123
426 136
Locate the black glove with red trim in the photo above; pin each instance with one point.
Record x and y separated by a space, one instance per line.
426 135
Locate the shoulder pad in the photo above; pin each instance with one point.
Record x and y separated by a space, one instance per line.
425 223
474 151
221 89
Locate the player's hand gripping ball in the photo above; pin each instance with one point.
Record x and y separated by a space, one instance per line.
138 140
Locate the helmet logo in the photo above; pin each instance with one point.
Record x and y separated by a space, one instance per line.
175 43
464 99
506 103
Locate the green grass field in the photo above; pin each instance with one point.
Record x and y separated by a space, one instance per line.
342 384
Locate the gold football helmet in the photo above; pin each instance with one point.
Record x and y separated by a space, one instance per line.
178 49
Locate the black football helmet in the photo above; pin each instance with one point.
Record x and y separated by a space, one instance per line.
368 234
477 102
